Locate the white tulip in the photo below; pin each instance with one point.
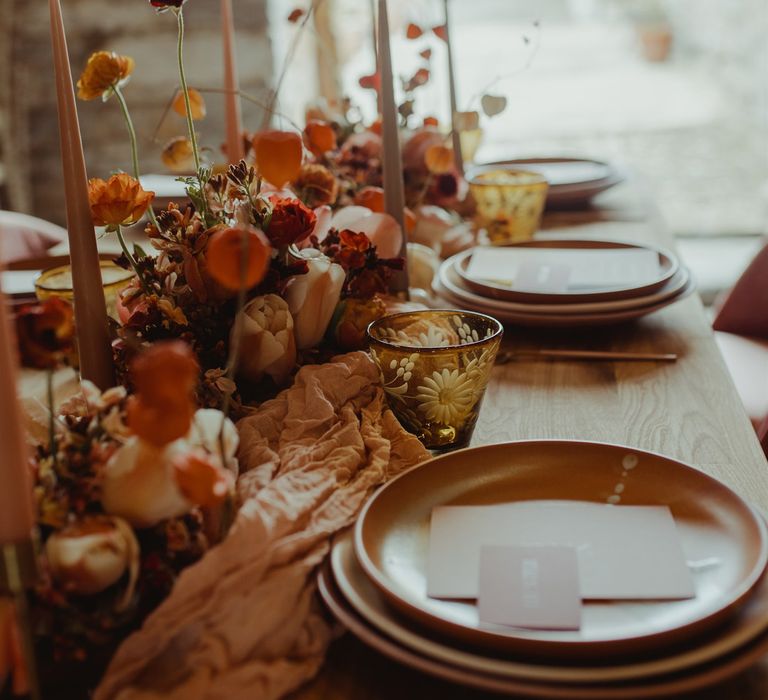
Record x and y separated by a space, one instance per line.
312 298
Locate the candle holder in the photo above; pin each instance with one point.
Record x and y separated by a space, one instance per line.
509 204
18 574
434 368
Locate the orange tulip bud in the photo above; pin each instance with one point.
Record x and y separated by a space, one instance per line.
278 156
196 104
319 137
224 256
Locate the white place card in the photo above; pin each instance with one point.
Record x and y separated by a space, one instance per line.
624 552
541 269
532 587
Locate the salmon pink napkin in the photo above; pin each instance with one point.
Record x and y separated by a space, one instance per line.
244 621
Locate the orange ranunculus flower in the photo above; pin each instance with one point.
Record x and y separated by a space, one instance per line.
319 137
439 159
119 201
178 155
165 376
45 333
316 185
224 253
291 222
104 71
196 104
278 156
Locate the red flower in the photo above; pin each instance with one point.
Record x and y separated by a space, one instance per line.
354 247
291 222
45 333
163 5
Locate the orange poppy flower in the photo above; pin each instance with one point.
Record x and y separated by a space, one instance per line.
319 137
119 201
178 155
200 479
439 159
224 257
278 156
372 198
196 104
165 376
104 71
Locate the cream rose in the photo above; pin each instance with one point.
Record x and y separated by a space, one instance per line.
93 554
312 298
268 345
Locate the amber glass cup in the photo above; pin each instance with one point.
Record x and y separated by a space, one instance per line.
509 203
434 367
57 282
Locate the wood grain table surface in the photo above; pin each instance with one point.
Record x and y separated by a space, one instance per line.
688 410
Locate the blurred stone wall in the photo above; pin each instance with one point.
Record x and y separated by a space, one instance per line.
129 27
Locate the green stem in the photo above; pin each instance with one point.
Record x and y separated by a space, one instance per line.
131 260
134 143
188 108
52 420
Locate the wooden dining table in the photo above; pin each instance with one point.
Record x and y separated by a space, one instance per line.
688 410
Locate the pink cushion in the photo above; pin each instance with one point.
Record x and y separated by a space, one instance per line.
747 361
745 308
23 237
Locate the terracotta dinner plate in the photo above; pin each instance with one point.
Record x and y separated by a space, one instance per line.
572 181
703 677
368 602
451 280
550 320
668 267
723 539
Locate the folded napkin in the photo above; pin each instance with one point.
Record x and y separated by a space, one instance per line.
244 621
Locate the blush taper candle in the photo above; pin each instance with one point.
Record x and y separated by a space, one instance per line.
235 151
16 511
455 133
394 196
90 307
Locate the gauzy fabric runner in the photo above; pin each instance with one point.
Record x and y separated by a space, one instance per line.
244 622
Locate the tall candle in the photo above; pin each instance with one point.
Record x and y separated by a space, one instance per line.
394 196
235 151
455 134
16 511
90 308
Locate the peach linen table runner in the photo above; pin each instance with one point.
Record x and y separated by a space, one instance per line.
244 622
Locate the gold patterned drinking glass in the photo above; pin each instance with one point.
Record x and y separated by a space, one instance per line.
57 282
435 366
509 203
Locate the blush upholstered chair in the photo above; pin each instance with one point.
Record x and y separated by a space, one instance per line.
741 331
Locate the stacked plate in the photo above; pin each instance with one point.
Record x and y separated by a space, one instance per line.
587 282
572 182
375 580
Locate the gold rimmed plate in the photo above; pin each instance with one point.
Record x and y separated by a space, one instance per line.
668 267
723 539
